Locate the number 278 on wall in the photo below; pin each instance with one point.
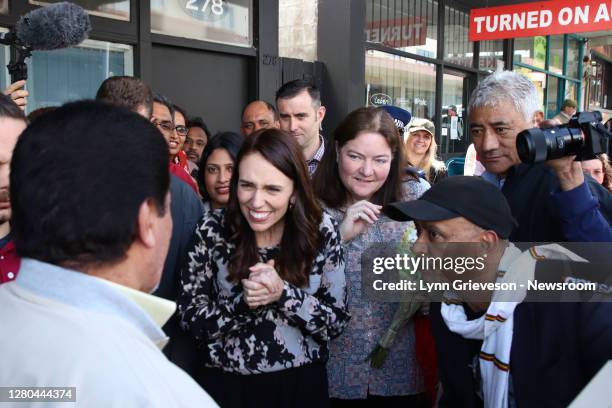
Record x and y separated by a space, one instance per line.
216 6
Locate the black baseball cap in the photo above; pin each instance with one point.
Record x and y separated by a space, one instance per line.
472 198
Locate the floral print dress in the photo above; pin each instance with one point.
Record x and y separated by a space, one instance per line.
291 332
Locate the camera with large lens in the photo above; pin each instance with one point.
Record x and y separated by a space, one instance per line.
584 136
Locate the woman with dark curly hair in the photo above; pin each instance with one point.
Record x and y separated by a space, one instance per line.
264 288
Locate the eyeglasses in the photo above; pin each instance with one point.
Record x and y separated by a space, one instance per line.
181 130
165 125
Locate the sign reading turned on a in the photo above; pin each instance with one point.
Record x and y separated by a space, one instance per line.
540 18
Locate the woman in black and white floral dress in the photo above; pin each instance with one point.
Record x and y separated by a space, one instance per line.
264 288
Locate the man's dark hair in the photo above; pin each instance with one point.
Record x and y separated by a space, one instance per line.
9 109
75 189
293 88
129 92
36 113
197 121
164 101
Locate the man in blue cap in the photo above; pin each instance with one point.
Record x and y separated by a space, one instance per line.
402 118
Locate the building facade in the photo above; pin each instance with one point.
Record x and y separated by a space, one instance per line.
417 55
209 56
213 56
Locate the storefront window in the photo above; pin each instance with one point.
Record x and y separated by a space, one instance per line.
490 52
530 51
222 21
4 7
598 88
552 91
5 56
457 48
59 76
116 9
452 124
555 61
403 82
407 25
573 57
571 90
538 79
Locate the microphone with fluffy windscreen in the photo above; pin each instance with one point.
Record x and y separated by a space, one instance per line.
52 27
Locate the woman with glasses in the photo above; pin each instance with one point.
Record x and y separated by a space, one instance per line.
362 172
163 118
264 288
180 128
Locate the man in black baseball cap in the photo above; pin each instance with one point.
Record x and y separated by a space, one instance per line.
491 352
459 201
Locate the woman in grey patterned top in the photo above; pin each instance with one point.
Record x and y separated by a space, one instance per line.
264 288
362 174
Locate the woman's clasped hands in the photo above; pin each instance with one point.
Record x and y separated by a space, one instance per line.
264 285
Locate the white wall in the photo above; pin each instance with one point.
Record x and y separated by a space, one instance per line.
297 29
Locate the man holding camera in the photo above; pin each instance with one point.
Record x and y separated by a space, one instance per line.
552 201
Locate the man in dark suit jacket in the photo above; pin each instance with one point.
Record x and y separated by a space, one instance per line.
542 354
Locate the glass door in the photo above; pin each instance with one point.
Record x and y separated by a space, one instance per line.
453 118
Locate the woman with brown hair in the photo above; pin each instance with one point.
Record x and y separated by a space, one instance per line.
362 172
600 169
264 288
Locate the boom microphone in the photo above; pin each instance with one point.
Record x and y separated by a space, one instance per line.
56 26
59 25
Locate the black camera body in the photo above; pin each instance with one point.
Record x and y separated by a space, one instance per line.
584 136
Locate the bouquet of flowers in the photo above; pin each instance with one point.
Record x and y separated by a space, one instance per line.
407 308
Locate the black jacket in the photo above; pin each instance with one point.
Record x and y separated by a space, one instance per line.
556 350
186 209
528 189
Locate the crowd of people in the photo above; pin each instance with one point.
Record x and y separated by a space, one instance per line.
150 262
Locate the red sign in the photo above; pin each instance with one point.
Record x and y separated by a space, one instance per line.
541 18
401 32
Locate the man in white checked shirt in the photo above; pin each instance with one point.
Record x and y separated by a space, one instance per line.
301 114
